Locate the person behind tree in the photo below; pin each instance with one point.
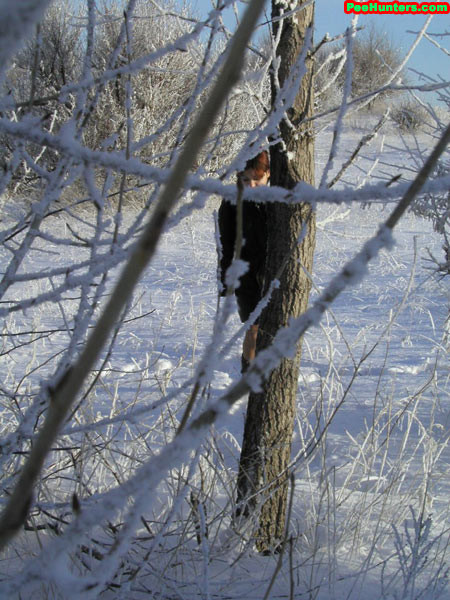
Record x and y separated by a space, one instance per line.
251 287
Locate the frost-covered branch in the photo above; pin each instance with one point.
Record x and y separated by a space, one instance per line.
89 136
66 390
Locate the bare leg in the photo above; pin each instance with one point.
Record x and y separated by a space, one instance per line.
249 346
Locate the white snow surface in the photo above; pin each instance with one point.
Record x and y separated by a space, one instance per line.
370 516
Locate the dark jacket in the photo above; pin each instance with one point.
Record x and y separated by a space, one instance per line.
254 242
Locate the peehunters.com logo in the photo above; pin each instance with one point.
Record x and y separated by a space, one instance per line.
374 8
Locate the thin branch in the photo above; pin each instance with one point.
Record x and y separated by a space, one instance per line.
65 392
352 271
363 142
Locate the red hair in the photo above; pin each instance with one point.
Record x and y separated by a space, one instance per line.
260 164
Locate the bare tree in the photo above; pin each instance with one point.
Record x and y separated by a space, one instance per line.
95 463
290 247
49 60
375 58
71 377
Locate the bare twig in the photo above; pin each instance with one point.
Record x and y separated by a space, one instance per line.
285 539
363 142
65 392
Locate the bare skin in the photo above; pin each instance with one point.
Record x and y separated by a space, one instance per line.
249 345
250 179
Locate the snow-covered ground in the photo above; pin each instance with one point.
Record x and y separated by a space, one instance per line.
370 515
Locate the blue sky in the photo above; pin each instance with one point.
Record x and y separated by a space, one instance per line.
330 17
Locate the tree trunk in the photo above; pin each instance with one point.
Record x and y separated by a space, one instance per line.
266 447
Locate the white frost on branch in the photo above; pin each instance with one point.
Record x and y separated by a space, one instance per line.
85 281
17 20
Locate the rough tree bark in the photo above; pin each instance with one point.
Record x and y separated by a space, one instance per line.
266 447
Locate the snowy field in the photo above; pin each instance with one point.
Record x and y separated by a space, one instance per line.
370 512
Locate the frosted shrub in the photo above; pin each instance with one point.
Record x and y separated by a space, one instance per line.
112 332
409 116
49 61
327 81
436 208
